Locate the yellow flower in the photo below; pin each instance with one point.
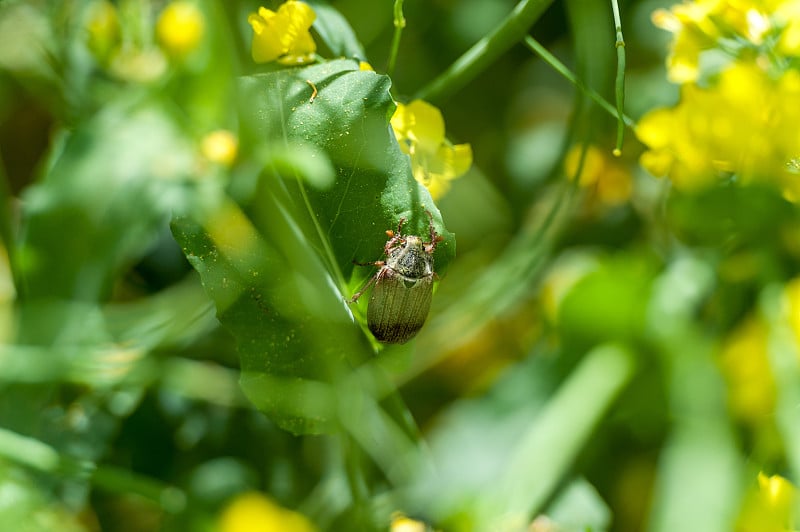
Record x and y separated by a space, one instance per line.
733 27
220 146
283 36
787 16
254 512
744 125
435 161
401 523
768 508
744 362
180 28
612 185
792 301
694 32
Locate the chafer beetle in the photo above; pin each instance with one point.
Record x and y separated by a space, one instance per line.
401 297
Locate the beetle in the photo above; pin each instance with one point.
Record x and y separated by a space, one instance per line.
401 297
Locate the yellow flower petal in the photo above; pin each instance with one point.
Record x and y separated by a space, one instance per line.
253 511
427 125
283 36
266 45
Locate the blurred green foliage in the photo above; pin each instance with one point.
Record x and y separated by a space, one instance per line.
176 332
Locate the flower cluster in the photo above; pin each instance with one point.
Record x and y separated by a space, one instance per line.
738 122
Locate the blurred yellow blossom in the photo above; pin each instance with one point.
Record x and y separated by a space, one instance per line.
734 27
743 126
254 512
612 184
744 362
787 16
180 28
284 35
220 146
769 507
402 523
792 301
102 27
694 32
435 161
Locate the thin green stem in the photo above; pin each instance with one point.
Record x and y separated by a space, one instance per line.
562 69
483 53
399 24
619 85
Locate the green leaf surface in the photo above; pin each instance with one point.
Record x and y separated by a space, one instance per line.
336 32
277 268
349 120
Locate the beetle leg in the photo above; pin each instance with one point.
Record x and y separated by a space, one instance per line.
435 238
431 229
363 288
400 227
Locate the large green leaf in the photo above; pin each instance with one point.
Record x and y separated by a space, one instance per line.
349 120
278 267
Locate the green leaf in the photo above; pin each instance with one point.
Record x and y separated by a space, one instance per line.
349 120
608 304
277 269
335 31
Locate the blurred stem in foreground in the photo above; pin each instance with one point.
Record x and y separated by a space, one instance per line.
6 225
38 455
558 433
483 53
399 24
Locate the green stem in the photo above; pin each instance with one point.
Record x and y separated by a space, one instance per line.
399 24
619 85
486 51
562 69
169 498
7 229
29 451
